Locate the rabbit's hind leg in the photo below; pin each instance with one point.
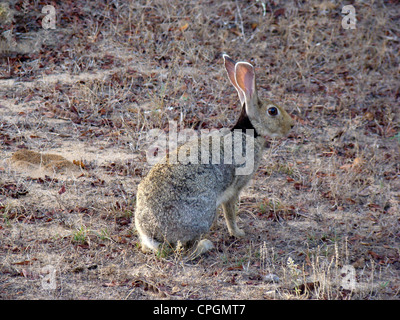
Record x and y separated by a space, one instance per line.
148 243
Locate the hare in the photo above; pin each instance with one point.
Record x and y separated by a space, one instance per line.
177 202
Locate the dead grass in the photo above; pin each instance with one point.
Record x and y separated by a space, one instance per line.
326 198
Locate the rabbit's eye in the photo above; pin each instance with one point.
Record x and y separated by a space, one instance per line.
273 111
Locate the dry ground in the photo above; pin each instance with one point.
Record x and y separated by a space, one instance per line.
324 201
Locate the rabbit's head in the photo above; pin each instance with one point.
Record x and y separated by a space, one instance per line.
267 118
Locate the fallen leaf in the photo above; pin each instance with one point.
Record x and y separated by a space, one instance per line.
79 163
239 267
111 284
346 166
184 27
374 255
357 162
369 116
62 190
279 12
25 262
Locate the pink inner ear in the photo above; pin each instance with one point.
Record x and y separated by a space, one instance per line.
249 82
230 68
245 78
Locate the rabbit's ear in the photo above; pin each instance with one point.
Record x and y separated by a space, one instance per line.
246 81
230 69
